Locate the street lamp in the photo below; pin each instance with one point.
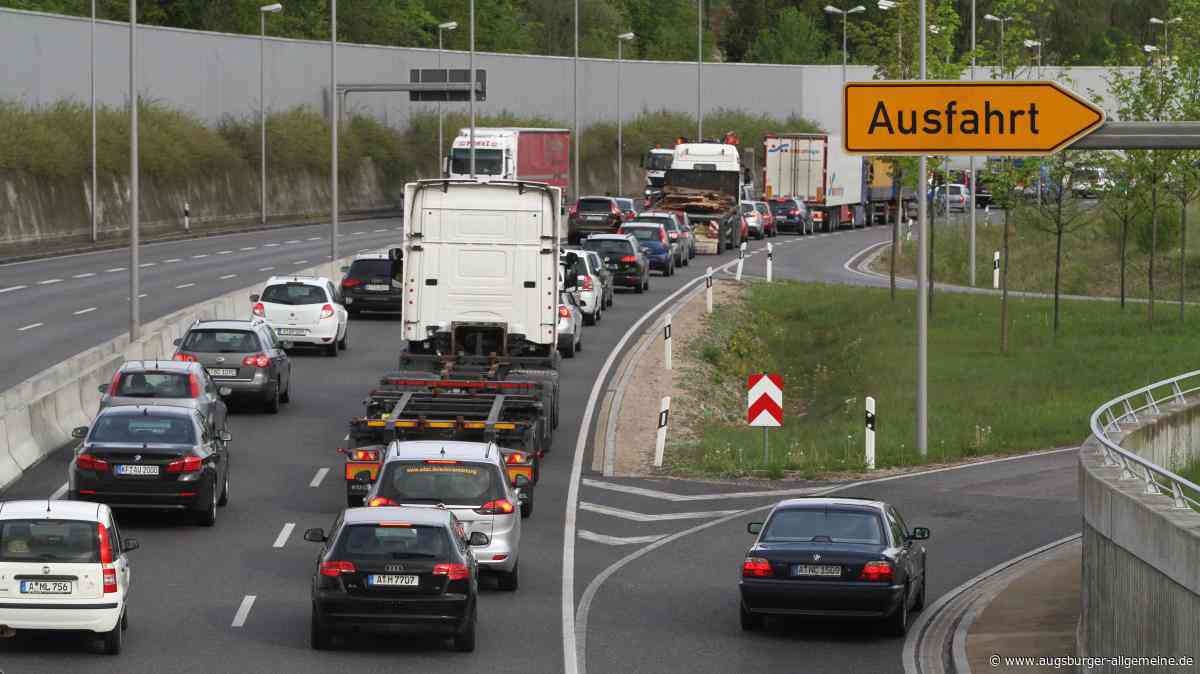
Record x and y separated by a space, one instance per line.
1001 21
135 326
1165 24
449 25
575 98
1036 44
699 67
95 231
885 5
830 9
262 97
334 119
621 40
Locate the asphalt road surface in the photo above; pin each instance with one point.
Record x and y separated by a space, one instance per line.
655 572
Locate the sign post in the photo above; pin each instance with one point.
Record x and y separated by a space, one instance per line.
764 405
667 342
770 261
708 289
741 260
870 433
660 441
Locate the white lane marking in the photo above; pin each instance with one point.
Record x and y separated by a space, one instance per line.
49 281
399 229
174 259
314 238
243 611
571 654
12 288
227 276
266 268
142 295
347 438
281 539
58 493
197 257
380 230
643 517
249 248
114 269
293 241
616 540
224 252
679 498
147 264
84 311
316 481
30 327
181 286
363 250
300 262
85 275
270 245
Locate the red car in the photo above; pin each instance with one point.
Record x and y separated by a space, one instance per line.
767 217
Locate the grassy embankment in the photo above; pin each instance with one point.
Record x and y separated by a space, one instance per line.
835 345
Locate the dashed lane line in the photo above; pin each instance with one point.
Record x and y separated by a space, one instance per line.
316 481
270 245
31 326
227 276
314 238
243 611
300 262
11 289
181 286
174 259
58 493
147 264
293 241
266 268
84 311
200 256
643 517
85 275
248 248
114 270
224 252
49 281
281 539
617 540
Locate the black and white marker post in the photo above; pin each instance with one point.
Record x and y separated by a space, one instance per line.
708 289
870 433
741 260
770 261
187 217
660 442
667 342
996 270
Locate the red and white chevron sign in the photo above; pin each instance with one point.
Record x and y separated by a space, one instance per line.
764 403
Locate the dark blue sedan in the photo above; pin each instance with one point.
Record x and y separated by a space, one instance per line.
653 239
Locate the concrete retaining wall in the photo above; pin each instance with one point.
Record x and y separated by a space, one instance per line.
37 415
1141 557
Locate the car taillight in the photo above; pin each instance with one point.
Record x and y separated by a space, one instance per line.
260 360
327 311
336 568
563 311
186 357
188 464
259 310
662 236
516 458
89 462
365 455
351 282
756 567
110 580
381 501
794 211
674 235
194 385
116 380
617 212
877 572
500 506
452 571
587 282
106 551
573 211
629 258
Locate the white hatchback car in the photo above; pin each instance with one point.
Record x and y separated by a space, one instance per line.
304 310
63 567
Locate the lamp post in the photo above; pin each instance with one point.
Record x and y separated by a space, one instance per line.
922 281
449 25
262 97
575 103
1001 21
1165 24
471 67
830 9
885 5
134 301
971 167
1036 44
699 68
95 197
334 119
621 40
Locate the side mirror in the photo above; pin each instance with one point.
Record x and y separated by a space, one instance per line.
177 341
254 297
478 539
919 534
226 436
103 388
130 544
79 432
224 391
316 535
754 527
520 481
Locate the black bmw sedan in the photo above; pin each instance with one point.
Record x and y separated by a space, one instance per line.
835 558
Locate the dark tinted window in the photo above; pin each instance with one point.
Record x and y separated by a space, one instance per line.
595 205
221 341
49 541
399 540
747 208
603 246
642 233
669 223
294 294
840 526
760 207
370 268
625 204
154 385
450 483
487 162
658 162
782 206
140 428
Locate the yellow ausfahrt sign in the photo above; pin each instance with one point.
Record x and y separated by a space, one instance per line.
964 118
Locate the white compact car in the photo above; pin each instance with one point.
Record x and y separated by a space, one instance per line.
304 310
63 567
570 324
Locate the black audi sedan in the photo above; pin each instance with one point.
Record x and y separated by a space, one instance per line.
395 570
834 558
152 456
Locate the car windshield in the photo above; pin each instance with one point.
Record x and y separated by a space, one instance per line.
839 526
221 341
487 162
655 220
154 385
609 246
782 206
747 208
294 294
760 207
143 428
44 540
658 161
596 205
625 204
398 540
642 233
370 269
451 483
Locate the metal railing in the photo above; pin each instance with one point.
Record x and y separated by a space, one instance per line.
1125 409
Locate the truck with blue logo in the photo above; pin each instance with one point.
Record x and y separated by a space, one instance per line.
814 168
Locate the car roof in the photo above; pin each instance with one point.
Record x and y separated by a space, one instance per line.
427 516
158 410
597 197
48 509
227 324
298 278
658 214
641 223
459 450
608 237
814 502
158 366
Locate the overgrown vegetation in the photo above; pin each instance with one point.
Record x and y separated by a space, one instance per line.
834 345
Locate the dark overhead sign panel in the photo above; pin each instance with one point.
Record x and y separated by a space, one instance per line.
450 76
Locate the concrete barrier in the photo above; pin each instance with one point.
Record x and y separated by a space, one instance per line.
37 415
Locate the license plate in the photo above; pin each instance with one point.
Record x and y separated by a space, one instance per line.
821 570
136 470
291 331
595 217
377 287
613 266
221 372
45 587
393 581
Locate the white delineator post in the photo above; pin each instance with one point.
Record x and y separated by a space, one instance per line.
741 260
909 234
667 342
870 434
660 442
187 217
708 289
770 261
996 270
987 215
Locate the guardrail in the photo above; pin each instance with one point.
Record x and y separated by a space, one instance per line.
1158 480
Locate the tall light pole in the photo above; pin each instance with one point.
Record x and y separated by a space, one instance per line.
621 40
830 9
334 120
1165 24
95 197
471 67
135 301
885 5
699 68
1036 44
1001 21
575 99
449 25
262 97
922 283
971 167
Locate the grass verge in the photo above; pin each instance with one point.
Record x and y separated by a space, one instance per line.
835 345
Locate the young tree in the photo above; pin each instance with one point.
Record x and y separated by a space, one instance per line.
1059 212
1118 199
1005 178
